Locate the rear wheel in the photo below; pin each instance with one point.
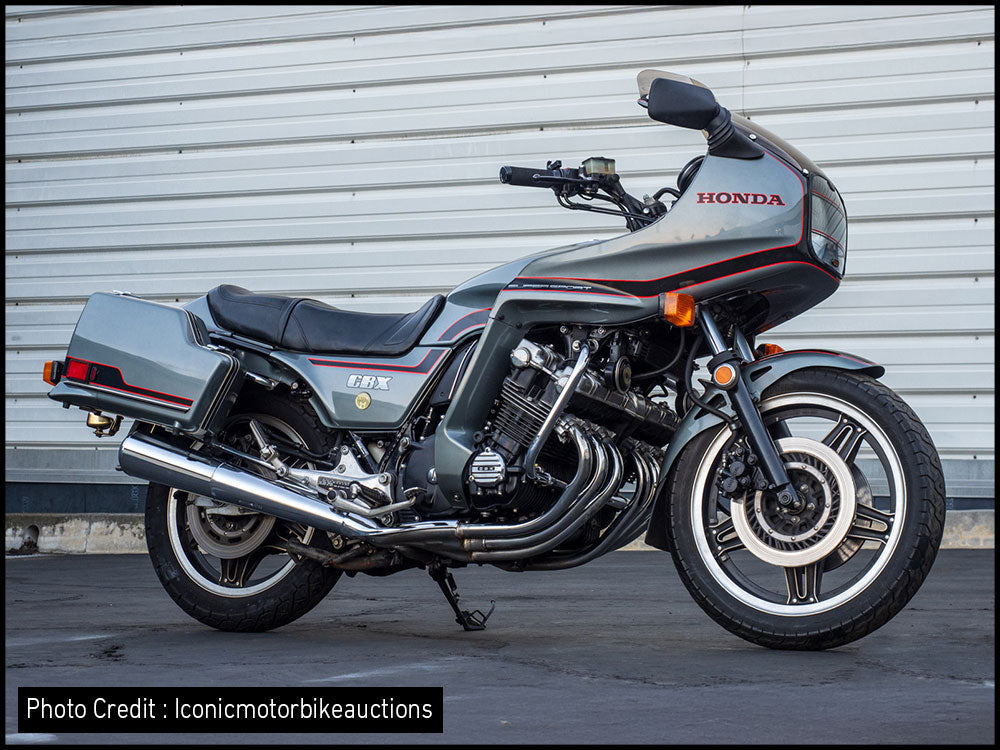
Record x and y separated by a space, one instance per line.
856 543
226 566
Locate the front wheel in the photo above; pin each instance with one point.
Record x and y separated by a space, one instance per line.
854 546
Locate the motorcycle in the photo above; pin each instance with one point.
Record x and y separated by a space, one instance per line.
541 415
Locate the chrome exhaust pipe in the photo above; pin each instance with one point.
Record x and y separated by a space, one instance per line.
642 518
586 454
608 484
595 482
148 458
626 531
576 505
622 528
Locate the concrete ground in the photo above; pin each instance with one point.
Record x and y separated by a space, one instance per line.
613 652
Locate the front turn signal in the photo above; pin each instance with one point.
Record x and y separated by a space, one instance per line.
724 375
766 350
52 372
678 309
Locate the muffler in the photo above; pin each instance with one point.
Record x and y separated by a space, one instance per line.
148 458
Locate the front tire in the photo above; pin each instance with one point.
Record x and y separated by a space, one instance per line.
836 568
224 566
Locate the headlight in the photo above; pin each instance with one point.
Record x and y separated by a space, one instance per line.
828 223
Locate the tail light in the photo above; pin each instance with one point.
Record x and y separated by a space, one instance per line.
77 369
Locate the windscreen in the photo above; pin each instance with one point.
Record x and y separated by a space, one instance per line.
645 80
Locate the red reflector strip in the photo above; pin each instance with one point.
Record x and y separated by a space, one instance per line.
77 370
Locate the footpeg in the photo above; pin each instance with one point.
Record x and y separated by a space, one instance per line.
474 620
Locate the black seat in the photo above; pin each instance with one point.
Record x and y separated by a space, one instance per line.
309 326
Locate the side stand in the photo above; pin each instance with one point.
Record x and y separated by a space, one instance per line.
474 620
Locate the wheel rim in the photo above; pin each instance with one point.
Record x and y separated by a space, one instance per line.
720 537
225 549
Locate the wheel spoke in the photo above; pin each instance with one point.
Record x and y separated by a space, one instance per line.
724 535
864 526
867 534
846 438
804 583
237 571
874 514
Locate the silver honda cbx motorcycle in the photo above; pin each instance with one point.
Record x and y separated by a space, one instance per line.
541 415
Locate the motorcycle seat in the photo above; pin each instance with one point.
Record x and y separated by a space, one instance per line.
309 326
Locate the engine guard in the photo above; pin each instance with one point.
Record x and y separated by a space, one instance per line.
760 374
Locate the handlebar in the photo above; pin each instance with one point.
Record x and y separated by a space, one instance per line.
529 177
569 183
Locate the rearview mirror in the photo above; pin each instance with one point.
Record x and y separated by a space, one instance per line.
682 104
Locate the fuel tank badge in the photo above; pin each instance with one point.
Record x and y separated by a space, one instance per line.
362 401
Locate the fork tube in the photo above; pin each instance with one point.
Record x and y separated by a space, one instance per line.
743 346
742 403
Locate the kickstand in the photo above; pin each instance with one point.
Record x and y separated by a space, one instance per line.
474 620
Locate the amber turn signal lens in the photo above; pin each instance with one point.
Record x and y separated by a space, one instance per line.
51 372
766 350
724 375
679 309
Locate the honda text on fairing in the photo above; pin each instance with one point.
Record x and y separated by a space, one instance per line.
541 415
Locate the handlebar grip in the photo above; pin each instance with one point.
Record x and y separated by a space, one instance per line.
522 177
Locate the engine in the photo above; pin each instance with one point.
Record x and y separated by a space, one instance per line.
604 403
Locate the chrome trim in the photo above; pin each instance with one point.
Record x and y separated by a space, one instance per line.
266 383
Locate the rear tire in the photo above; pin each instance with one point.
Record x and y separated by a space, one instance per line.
715 571
232 601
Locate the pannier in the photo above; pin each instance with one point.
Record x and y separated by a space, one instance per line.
148 361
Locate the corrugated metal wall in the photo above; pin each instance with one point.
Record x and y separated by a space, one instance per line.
351 154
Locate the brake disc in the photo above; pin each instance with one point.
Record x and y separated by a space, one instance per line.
769 533
226 535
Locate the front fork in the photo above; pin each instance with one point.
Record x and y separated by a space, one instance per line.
742 403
